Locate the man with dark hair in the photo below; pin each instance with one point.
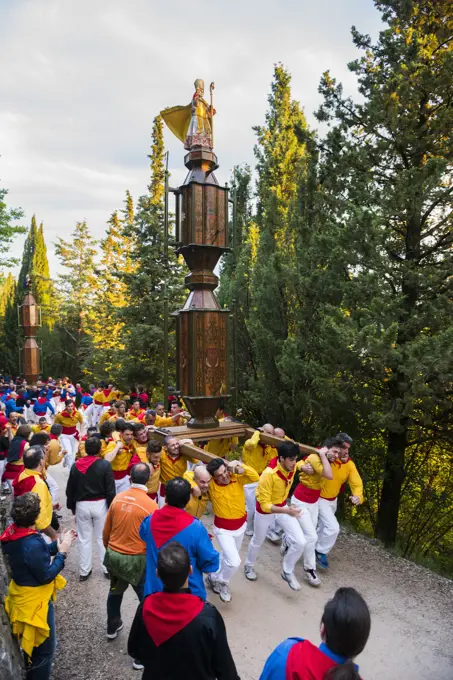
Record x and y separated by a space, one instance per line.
172 463
125 556
173 523
15 451
271 495
42 426
192 641
89 493
121 455
31 479
91 432
153 454
70 419
344 472
140 440
136 413
227 495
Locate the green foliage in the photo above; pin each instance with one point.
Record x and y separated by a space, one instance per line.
8 325
77 288
8 231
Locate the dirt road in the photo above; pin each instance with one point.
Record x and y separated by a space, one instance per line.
412 615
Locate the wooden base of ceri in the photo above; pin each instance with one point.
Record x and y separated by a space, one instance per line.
223 431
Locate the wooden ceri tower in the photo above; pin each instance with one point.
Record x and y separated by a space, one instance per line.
202 235
201 323
29 320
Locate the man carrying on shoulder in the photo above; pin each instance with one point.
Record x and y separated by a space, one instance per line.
344 472
226 492
121 455
273 488
198 479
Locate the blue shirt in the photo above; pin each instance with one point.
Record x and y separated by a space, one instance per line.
173 524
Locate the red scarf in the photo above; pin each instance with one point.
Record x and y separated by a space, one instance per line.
167 522
13 533
84 464
165 614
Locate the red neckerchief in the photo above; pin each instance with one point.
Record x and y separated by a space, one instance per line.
84 464
13 533
53 436
167 523
165 614
65 414
287 479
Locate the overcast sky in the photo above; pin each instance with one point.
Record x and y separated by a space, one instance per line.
81 81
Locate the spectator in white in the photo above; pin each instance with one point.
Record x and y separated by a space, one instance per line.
89 493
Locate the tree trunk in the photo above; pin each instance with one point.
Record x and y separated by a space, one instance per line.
387 519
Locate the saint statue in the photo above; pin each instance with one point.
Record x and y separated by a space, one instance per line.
192 124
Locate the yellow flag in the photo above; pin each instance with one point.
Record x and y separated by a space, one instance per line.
177 119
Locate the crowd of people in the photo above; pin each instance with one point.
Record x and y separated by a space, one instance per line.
141 500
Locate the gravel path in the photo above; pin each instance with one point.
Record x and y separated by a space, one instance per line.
412 615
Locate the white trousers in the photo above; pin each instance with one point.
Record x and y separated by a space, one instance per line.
70 444
308 521
328 527
98 410
30 416
122 484
230 543
293 533
250 502
90 518
53 488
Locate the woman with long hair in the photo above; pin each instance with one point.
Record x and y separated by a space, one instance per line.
345 628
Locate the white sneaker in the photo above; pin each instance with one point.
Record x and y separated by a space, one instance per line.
273 537
291 580
312 577
284 546
137 666
250 573
249 532
225 592
213 584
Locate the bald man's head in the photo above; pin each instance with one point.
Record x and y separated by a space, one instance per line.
268 428
279 432
202 478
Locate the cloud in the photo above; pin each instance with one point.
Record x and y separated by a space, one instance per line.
83 80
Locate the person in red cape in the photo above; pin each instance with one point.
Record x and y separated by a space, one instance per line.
345 628
176 634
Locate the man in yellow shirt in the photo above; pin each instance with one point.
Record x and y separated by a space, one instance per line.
121 410
42 426
273 489
306 497
99 400
172 463
153 454
70 419
198 479
109 413
344 472
121 455
227 495
136 413
31 479
140 441
222 447
257 456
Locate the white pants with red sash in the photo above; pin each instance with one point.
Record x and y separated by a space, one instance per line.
328 527
230 541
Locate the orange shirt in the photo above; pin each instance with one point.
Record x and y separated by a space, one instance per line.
126 513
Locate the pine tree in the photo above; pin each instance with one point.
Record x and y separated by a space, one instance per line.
387 210
29 246
280 161
77 289
35 265
143 331
9 361
107 318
